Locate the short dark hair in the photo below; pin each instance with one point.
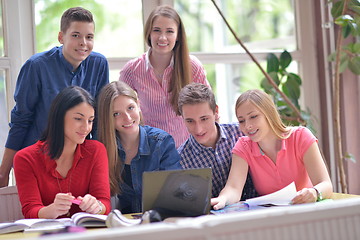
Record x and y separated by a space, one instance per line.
194 93
76 14
54 133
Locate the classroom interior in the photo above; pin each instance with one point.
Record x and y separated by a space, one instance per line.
304 28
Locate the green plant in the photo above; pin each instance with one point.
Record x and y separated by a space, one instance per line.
297 114
290 84
346 14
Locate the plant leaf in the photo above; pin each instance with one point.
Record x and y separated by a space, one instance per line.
285 59
331 57
275 77
349 156
354 65
336 9
266 85
354 5
272 63
356 47
292 89
343 65
352 47
346 30
295 77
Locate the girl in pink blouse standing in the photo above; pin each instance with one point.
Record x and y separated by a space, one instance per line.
160 73
275 155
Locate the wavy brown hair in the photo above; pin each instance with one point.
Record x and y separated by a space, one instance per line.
181 75
106 132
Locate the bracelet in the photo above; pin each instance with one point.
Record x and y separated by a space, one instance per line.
101 208
318 195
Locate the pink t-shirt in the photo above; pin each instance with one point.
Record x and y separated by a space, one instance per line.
154 98
268 176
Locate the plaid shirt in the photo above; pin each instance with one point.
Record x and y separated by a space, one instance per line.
195 155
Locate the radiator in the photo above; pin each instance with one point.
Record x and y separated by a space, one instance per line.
10 208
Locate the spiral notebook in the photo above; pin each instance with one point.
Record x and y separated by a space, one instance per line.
186 191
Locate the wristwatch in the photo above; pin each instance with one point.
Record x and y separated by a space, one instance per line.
318 195
101 208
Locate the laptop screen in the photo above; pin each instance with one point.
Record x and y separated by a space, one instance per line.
186 191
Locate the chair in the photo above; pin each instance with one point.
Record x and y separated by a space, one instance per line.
10 207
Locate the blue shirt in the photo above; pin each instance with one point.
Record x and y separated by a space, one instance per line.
40 79
195 155
156 152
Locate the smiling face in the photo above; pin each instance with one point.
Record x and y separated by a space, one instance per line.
78 42
252 122
127 115
78 123
200 122
163 35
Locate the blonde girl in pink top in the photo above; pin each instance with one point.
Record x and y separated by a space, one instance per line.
275 155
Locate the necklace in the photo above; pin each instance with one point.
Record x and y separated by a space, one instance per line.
261 151
69 184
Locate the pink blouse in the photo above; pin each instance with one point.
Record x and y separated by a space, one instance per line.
154 98
268 176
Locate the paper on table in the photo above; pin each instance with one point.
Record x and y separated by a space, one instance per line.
281 197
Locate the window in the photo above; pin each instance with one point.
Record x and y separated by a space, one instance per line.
4 127
3 103
260 26
118 25
263 25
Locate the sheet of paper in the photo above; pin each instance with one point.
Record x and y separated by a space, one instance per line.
278 198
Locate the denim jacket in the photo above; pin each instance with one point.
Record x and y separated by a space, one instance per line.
156 152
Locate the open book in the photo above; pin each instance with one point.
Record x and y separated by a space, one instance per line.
281 197
78 219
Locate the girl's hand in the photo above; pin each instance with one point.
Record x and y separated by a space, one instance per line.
305 195
89 204
218 203
60 206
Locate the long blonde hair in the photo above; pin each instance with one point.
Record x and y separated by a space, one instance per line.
181 75
266 105
106 131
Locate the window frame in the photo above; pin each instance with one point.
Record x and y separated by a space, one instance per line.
20 13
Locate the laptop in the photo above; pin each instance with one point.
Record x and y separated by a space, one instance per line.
185 192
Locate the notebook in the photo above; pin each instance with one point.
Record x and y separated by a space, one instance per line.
187 191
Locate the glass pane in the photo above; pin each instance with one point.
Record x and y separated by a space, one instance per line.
1 33
114 75
229 80
118 24
4 127
260 24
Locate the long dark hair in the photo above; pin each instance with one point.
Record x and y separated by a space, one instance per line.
54 133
